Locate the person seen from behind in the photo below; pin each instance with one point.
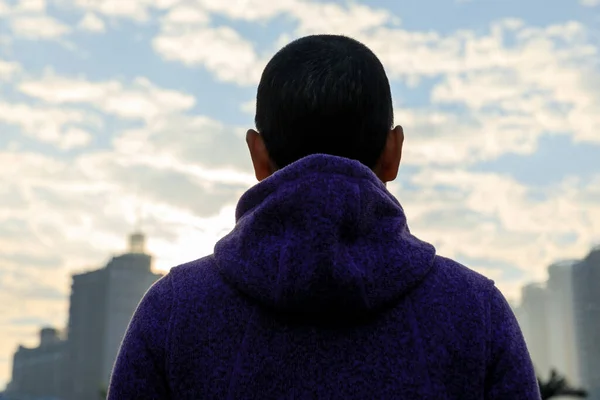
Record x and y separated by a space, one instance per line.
321 291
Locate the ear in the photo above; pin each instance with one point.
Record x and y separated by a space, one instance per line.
259 155
389 163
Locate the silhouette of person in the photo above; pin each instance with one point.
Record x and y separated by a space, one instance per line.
321 291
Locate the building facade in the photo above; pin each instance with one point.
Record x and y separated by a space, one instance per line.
586 293
562 343
37 372
532 317
101 305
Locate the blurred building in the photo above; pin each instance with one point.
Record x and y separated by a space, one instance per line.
562 349
37 372
532 315
586 291
101 306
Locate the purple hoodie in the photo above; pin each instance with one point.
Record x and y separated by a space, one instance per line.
321 292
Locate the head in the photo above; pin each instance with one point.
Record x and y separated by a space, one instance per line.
325 94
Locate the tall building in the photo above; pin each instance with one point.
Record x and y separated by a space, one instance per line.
101 305
532 317
586 290
562 349
37 372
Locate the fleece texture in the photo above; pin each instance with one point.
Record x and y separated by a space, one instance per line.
321 292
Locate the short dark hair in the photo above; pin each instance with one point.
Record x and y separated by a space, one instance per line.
324 94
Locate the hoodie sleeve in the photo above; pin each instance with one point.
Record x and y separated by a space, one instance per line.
510 373
140 368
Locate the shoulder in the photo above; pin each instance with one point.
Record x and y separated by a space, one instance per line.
199 280
188 275
207 316
199 287
477 290
452 275
462 290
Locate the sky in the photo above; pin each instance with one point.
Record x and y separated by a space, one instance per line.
115 111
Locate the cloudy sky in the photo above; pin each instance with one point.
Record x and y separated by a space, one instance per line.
112 108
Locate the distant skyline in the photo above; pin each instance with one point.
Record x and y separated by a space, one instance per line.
109 106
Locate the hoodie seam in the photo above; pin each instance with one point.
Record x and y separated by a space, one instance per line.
238 358
364 275
280 267
423 359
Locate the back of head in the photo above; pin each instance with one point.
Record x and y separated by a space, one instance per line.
324 94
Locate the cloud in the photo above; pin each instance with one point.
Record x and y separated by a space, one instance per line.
186 35
140 100
503 98
38 27
187 44
311 17
511 95
27 19
185 14
92 197
4 8
443 138
194 141
138 10
222 51
475 71
61 127
8 69
172 184
438 137
546 84
353 19
589 3
250 10
26 260
183 167
74 214
30 6
462 213
85 206
25 297
248 107
508 96
21 7
75 138
92 23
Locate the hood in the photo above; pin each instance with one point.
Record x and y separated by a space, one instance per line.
322 235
